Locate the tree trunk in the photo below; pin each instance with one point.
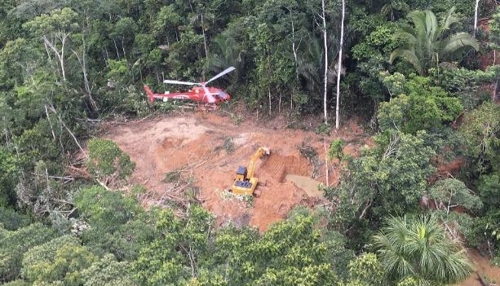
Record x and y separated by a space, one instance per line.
123 49
61 58
339 69
83 63
204 37
269 94
84 69
475 17
295 57
279 104
59 54
116 49
325 77
294 49
327 175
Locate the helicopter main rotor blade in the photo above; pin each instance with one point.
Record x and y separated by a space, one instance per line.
228 70
180 82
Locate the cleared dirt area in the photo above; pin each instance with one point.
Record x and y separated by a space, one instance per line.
207 148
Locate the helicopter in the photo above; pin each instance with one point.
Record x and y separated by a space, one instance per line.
199 93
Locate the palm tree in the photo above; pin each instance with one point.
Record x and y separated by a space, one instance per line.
427 42
394 7
419 250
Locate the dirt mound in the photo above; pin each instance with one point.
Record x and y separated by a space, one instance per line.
208 148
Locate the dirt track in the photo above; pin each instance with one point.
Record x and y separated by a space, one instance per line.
208 147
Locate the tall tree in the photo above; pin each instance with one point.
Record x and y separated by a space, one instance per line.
339 68
482 134
325 75
388 179
476 6
201 12
416 105
55 30
428 42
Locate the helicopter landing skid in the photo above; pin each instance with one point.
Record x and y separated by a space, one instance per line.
200 107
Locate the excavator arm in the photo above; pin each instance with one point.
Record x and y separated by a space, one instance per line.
258 154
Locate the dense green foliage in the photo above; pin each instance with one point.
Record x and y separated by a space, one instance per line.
417 105
67 65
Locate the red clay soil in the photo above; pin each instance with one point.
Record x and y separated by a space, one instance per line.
208 147
488 59
483 269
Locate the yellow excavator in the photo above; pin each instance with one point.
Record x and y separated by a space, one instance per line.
245 183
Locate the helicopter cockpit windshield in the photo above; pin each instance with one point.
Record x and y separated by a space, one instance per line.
224 96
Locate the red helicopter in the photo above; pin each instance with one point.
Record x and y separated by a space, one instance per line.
199 93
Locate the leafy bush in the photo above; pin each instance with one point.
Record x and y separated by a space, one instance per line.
12 220
108 162
418 106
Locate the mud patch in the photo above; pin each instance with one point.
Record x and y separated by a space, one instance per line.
307 184
483 268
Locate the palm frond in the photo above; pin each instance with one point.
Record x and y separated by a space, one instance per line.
457 41
449 19
458 266
418 19
431 25
427 42
408 34
386 9
408 55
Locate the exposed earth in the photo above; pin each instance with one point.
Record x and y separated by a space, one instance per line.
207 148
196 155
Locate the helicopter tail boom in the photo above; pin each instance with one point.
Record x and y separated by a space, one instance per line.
149 93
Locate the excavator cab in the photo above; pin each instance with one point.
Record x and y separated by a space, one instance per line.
241 173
